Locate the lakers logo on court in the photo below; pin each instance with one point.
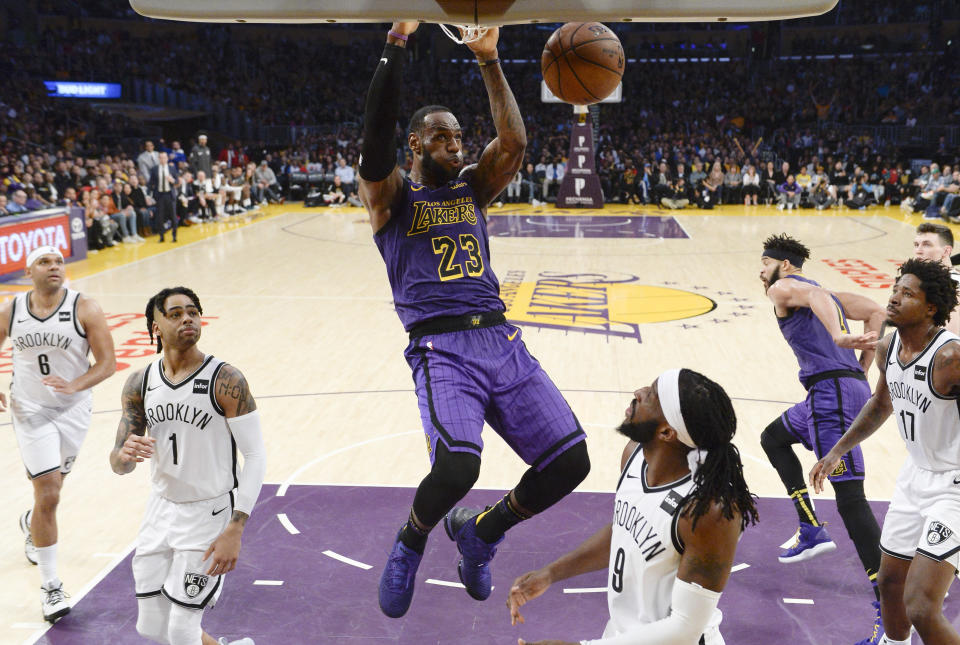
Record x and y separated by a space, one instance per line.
194 583
595 303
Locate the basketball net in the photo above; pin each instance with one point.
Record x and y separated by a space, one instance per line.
468 33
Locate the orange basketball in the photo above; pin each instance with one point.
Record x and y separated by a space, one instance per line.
582 62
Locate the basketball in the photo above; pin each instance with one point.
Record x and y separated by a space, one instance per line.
582 62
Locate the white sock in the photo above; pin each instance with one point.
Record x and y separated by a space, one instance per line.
886 640
47 561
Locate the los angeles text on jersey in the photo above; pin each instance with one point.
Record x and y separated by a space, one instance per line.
629 518
903 391
41 339
438 213
177 412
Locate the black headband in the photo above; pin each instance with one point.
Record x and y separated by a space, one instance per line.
780 254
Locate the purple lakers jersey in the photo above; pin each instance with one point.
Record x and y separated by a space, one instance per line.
437 254
811 342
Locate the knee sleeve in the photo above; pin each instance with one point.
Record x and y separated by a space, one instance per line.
775 436
183 627
539 490
152 618
452 476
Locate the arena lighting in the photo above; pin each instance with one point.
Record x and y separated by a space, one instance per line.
83 90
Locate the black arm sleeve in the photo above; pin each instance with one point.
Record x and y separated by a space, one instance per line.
378 155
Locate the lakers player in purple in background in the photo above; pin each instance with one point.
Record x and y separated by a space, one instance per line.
814 322
469 365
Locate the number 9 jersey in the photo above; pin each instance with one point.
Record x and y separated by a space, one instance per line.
436 236
52 346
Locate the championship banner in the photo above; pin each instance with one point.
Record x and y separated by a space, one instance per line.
580 187
63 229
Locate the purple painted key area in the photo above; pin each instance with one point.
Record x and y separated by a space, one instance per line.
626 225
323 600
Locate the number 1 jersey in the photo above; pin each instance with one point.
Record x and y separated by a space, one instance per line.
195 457
436 249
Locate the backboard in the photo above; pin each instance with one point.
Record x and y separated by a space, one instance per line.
479 12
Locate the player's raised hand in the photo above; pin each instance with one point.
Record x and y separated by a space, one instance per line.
485 47
857 341
405 28
136 448
524 589
822 469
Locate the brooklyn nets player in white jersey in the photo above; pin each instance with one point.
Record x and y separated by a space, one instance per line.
935 242
188 413
53 330
920 363
681 505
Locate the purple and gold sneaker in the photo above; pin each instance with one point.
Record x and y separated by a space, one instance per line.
476 554
810 542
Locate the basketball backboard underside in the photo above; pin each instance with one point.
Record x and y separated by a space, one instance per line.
479 12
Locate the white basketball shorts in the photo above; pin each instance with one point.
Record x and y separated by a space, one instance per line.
170 547
49 438
924 515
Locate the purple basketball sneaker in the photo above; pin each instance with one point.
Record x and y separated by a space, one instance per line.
476 554
877 633
811 541
396 583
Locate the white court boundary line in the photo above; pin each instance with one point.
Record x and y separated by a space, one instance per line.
87 588
287 524
798 601
346 560
310 464
585 590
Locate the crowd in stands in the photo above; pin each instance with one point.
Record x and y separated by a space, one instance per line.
741 131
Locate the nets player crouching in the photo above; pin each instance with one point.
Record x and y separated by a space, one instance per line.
53 330
187 413
681 505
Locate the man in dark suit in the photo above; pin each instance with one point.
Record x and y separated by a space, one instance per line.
163 185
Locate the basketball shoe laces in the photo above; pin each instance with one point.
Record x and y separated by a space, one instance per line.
56 595
400 560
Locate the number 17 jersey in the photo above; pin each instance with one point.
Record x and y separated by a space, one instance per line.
436 249
929 423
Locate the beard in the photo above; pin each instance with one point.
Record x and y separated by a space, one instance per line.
436 171
773 278
642 431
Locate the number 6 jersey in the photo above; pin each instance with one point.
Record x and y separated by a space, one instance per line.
195 457
645 548
52 346
929 423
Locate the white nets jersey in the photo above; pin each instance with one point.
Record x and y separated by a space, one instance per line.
195 457
929 423
645 548
52 346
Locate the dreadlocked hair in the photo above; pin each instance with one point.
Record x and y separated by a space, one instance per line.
156 304
937 284
784 242
709 417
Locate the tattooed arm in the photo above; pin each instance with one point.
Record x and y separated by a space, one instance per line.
876 410
502 157
132 445
233 396
946 370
